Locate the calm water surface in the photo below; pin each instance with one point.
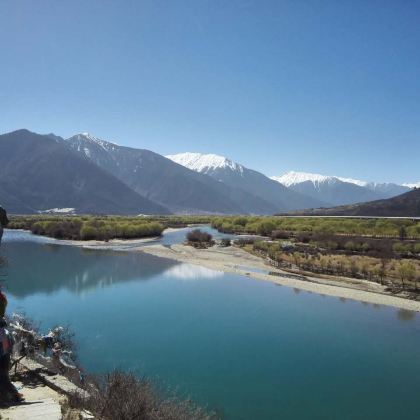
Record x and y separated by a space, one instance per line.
248 349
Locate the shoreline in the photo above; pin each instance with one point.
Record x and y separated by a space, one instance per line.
112 244
237 261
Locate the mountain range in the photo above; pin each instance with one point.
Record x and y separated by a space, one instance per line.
337 190
237 176
84 174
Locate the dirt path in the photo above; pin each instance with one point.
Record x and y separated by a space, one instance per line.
41 402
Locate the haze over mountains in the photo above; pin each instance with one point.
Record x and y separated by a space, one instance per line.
89 175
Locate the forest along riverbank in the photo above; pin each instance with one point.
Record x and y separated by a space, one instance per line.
236 260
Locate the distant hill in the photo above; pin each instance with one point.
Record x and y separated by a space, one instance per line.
249 181
337 191
404 205
38 173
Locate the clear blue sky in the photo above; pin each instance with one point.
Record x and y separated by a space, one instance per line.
322 86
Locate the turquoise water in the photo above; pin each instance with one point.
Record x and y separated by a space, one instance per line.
246 348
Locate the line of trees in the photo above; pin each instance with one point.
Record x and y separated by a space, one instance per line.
381 270
89 227
264 225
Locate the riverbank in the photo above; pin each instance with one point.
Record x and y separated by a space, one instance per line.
237 261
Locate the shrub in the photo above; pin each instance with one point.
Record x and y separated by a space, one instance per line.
350 246
265 228
365 247
198 235
332 245
122 396
225 242
279 234
402 248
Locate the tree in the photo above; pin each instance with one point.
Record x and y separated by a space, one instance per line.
416 279
296 258
382 270
406 272
353 268
403 233
265 228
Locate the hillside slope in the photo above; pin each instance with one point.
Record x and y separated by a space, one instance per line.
404 205
39 172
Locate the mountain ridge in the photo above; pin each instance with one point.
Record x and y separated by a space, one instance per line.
339 190
39 172
238 176
404 205
165 182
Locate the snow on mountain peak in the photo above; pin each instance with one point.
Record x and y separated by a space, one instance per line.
354 181
412 185
82 138
293 178
204 163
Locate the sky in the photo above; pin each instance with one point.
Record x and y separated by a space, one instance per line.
331 87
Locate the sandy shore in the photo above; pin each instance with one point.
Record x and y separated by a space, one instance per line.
236 260
113 244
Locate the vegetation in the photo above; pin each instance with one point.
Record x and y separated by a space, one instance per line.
274 226
199 238
394 272
386 251
109 400
277 225
88 227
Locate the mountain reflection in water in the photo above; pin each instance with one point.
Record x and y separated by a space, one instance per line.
50 268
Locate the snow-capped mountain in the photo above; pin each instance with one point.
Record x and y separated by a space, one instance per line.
84 139
292 178
205 163
239 177
338 190
162 180
168 183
